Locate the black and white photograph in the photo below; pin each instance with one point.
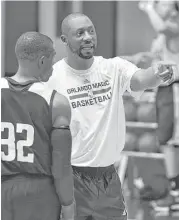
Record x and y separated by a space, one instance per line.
90 110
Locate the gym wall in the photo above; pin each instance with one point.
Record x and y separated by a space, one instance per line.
19 17
134 32
118 25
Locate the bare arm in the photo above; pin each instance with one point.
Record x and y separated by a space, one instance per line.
61 157
167 27
131 59
144 79
141 57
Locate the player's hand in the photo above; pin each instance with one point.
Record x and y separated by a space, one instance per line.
146 5
68 212
142 5
173 142
165 71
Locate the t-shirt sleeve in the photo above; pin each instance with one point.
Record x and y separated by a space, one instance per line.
125 70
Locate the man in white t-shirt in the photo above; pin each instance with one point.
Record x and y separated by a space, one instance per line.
94 86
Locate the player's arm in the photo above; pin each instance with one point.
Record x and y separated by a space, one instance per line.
152 77
167 27
61 156
139 57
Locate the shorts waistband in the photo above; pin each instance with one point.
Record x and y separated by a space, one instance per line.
95 171
25 176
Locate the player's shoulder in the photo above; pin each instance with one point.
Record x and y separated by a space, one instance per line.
61 109
60 101
42 89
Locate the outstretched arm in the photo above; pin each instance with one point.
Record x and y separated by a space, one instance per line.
141 57
152 77
61 157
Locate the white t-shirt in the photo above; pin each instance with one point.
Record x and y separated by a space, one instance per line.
98 118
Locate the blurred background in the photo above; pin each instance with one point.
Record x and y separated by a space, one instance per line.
121 27
122 30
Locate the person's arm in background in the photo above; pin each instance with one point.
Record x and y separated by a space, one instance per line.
163 28
155 53
168 27
61 141
139 58
147 58
145 78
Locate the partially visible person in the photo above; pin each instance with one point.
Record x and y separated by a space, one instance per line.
95 86
36 173
164 17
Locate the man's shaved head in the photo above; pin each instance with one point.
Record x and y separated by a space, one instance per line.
66 22
79 35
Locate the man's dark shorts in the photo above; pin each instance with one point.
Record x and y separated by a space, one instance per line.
98 194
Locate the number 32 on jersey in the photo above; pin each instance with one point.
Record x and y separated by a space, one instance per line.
16 150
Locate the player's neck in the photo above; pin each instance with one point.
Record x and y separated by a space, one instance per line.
23 75
78 63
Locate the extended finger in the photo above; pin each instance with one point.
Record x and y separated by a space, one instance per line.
165 73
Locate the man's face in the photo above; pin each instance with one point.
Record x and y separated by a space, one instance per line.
166 9
82 39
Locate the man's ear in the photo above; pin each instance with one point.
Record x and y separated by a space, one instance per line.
41 61
64 39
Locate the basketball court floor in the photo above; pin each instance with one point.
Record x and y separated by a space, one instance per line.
139 210
136 208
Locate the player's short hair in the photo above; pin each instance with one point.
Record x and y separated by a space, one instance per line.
32 44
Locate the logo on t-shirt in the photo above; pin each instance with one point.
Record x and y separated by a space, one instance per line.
86 81
124 213
89 93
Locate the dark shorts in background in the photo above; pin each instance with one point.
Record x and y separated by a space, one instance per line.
24 198
98 194
165 113
167 106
